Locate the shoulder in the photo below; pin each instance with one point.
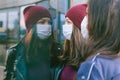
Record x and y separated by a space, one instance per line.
13 49
107 63
108 66
16 46
100 67
11 53
103 61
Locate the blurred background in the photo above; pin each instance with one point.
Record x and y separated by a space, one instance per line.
12 28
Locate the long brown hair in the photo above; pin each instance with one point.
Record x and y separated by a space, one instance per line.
71 52
104 27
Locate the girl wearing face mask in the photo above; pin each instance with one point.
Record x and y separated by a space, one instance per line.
30 58
69 61
102 57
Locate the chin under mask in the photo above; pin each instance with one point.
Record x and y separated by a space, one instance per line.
43 31
67 31
84 30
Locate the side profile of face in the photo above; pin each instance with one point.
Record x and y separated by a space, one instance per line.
67 28
43 28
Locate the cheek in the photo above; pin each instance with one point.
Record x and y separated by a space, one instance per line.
87 26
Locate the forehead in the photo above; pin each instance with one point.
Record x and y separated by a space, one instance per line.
45 18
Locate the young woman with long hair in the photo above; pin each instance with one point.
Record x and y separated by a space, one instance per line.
102 48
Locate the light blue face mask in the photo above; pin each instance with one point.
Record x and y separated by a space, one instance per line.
43 31
67 31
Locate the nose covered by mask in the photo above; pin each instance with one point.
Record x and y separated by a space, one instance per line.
67 31
84 30
43 31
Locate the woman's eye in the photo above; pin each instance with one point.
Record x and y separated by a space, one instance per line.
41 22
44 22
68 22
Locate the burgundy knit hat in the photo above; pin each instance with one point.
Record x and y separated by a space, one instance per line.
76 14
33 13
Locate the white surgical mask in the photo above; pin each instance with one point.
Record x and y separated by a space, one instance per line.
43 31
84 30
67 31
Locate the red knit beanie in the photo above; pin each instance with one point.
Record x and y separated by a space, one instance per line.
76 14
33 13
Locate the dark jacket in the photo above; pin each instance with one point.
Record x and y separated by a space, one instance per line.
56 65
100 67
15 63
16 66
56 71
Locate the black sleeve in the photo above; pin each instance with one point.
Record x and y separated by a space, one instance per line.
56 51
9 68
